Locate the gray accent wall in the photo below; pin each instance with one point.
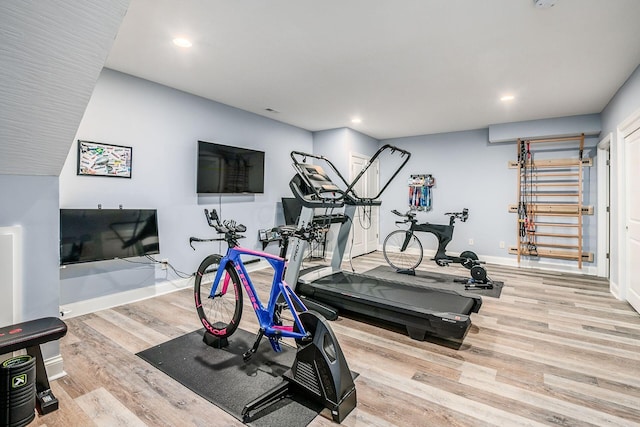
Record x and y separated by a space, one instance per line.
338 144
469 173
163 126
473 173
31 202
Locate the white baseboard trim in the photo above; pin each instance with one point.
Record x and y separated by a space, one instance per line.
108 301
54 368
526 263
92 305
562 268
615 290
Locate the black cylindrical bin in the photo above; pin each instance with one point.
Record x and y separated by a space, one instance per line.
17 391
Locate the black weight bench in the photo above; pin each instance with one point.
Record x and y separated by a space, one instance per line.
29 335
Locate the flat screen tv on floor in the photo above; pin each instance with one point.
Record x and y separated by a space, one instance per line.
223 169
88 235
292 208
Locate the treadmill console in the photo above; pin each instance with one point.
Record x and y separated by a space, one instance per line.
319 179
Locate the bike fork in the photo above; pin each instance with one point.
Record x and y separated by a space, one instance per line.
407 238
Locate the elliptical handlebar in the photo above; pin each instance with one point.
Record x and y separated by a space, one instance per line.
339 195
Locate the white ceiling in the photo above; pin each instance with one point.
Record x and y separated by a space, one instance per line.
406 67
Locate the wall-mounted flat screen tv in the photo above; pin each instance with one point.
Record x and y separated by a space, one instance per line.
88 235
231 170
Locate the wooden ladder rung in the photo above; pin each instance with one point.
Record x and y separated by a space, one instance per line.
554 253
551 209
547 194
552 163
552 184
542 174
557 245
563 235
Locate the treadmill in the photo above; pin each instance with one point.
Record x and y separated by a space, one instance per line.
423 311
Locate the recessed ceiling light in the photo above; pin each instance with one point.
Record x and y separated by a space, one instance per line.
182 42
356 120
507 98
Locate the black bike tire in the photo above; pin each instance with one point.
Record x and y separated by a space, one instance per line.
469 254
230 304
405 260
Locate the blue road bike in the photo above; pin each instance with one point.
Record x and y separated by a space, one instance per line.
218 291
319 369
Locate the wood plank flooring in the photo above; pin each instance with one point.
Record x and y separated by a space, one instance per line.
555 349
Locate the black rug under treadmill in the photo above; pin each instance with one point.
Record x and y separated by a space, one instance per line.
433 280
224 379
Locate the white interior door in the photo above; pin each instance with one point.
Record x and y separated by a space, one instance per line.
364 230
632 171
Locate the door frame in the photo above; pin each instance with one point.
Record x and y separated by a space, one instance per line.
625 128
603 165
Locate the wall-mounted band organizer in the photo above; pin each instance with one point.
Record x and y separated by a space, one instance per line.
420 192
550 199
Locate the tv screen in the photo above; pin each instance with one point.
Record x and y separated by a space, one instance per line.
100 234
226 169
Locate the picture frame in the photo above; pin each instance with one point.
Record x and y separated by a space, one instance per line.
98 159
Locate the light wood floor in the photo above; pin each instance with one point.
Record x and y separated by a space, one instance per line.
555 349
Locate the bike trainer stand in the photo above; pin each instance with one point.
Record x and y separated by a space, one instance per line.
319 371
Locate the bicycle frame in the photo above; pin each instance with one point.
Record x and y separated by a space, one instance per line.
278 287
444 234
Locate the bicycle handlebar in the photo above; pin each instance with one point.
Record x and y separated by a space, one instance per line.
462 216
223 227
229 228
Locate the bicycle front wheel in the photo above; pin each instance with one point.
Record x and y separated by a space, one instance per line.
220 314
408 259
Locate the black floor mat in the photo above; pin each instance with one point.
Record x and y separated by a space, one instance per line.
224 379
433 280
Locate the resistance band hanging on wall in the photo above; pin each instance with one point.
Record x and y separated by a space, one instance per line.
526 222
420 192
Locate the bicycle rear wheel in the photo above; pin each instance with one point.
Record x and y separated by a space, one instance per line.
408 259
219 314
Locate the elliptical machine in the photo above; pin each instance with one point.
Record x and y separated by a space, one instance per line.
410 253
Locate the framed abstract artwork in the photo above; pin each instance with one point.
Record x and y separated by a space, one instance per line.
96 159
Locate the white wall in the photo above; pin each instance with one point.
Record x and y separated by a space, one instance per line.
163 126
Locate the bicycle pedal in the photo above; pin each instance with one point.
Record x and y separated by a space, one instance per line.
246 356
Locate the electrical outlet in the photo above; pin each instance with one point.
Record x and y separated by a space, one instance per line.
502 244
470 242
164 263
